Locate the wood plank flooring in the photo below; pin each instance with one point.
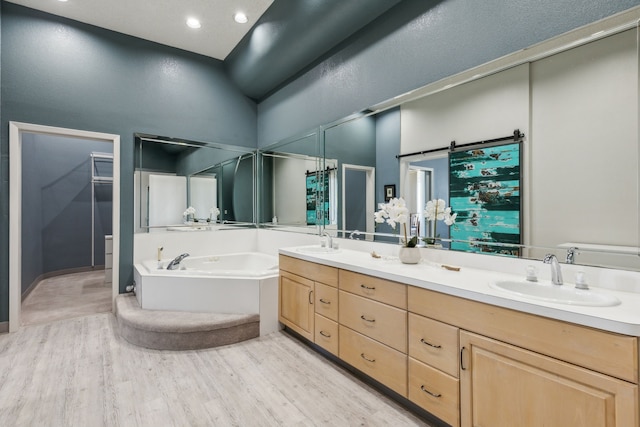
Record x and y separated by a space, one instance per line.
79 372
67 296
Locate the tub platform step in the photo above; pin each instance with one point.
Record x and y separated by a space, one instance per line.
178 330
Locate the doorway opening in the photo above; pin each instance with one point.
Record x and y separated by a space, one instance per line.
358 199
19 136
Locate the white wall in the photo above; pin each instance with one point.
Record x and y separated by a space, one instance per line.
167 199
487 108
289 174
583 148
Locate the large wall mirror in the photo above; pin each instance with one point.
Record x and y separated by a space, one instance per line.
183 185
557 153
291 174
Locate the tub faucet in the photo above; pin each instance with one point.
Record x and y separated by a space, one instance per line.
556 273
176 261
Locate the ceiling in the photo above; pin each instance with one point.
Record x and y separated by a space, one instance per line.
280 39
164 21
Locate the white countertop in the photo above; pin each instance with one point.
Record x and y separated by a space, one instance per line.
473 284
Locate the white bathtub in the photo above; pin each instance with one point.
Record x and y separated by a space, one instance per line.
245 264
232 283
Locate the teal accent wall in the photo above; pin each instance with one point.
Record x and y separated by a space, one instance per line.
59 72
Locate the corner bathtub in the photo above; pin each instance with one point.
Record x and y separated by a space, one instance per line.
244 283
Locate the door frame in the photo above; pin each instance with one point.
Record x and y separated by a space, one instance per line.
370 197
16 129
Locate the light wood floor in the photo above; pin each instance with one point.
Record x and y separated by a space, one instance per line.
79 372
67 296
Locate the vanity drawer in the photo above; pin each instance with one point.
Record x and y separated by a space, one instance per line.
326 334
434 391
434 343
376 320
326 301
380 362
310 270
382 290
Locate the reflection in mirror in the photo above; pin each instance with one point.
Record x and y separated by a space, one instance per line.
185 185
580 163
426 178
362 149
290 178
574 98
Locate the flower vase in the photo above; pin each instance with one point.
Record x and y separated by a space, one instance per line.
409 255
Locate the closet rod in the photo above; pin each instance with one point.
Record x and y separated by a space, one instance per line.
516 137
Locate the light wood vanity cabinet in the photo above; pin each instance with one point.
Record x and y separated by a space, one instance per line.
504 385
434 368
297 286
466 362
521 369
296 303
376 320
373 328
374 288
326 317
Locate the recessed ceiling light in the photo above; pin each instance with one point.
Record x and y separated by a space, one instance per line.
62 1
240 18
193 23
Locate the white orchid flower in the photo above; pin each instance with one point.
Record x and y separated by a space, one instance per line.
437 210
394 212
214 212
450 219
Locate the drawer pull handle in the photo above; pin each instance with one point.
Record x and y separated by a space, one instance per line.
369 288
462 359
324 301
429 344
324 334
310 297
367 320
366 358
429 393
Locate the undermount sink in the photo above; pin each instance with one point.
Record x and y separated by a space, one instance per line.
559 294
317 250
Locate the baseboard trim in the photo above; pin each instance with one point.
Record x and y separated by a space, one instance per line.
50 274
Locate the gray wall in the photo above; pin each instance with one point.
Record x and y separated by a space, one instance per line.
355 206
416 43
387 165
56 205
59 72
352 143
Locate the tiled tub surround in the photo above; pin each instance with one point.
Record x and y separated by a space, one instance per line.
463 351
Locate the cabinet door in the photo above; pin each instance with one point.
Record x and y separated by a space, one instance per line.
504 385
296 304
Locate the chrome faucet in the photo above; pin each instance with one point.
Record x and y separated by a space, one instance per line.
176 261
571 254
556 273
326 233
355 233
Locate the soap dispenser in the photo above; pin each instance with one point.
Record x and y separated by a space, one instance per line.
581 281
532 274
